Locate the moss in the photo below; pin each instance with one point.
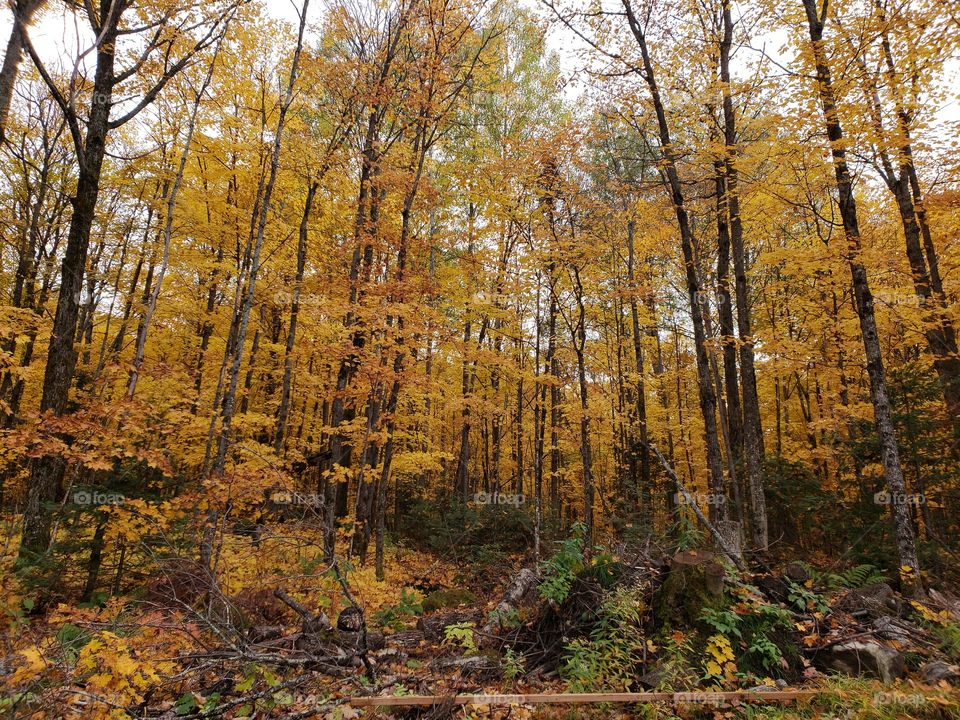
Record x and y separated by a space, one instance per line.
695 582
448 598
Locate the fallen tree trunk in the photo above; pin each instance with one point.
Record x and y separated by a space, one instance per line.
516 593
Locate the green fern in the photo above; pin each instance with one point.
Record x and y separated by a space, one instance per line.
855 577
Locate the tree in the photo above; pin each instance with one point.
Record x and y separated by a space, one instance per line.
910 566
89 137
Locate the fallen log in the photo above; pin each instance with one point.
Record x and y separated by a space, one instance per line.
680 698
517 591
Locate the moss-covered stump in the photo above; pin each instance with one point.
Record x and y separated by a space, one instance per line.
694 581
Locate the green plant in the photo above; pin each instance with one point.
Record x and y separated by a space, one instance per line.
855 577
513 664
505 619
558 572
462 634
674 665
755 625
804 599
609 658
687 533
395 616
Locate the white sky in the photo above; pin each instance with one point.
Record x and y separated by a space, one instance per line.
57 33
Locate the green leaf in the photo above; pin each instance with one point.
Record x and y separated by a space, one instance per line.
186 704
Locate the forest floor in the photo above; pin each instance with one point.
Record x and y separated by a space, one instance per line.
283 634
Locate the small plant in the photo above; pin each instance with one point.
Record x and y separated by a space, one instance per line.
395 616
609 658
855 577
462 634
512 664
804 599
687 532
750 627
675 664
505 619
721 662
559 572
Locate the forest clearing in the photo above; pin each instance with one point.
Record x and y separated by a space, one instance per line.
480 358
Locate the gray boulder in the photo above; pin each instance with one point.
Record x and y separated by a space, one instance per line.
863 657
933 673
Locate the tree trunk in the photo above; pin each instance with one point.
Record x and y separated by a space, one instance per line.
640 448
230 395
284 411
707 397
46 472
906 546
752 428
23 10
144 329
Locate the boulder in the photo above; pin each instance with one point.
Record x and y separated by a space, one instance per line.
863 657
891 628
934 673
796 573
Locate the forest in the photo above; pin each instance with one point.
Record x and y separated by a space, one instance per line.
480 358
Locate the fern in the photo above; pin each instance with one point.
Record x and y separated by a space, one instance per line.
855 577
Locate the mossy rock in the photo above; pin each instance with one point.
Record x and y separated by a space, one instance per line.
448 598
694 582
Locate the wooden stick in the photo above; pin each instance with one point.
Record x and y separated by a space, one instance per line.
680 698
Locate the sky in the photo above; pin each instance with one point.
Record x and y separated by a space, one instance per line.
56 34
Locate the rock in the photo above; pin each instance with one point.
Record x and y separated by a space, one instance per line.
891 628
448 598
933 673
653 679
863 657
774 588
796 573
873 600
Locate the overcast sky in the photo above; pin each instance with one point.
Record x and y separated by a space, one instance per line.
55 35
